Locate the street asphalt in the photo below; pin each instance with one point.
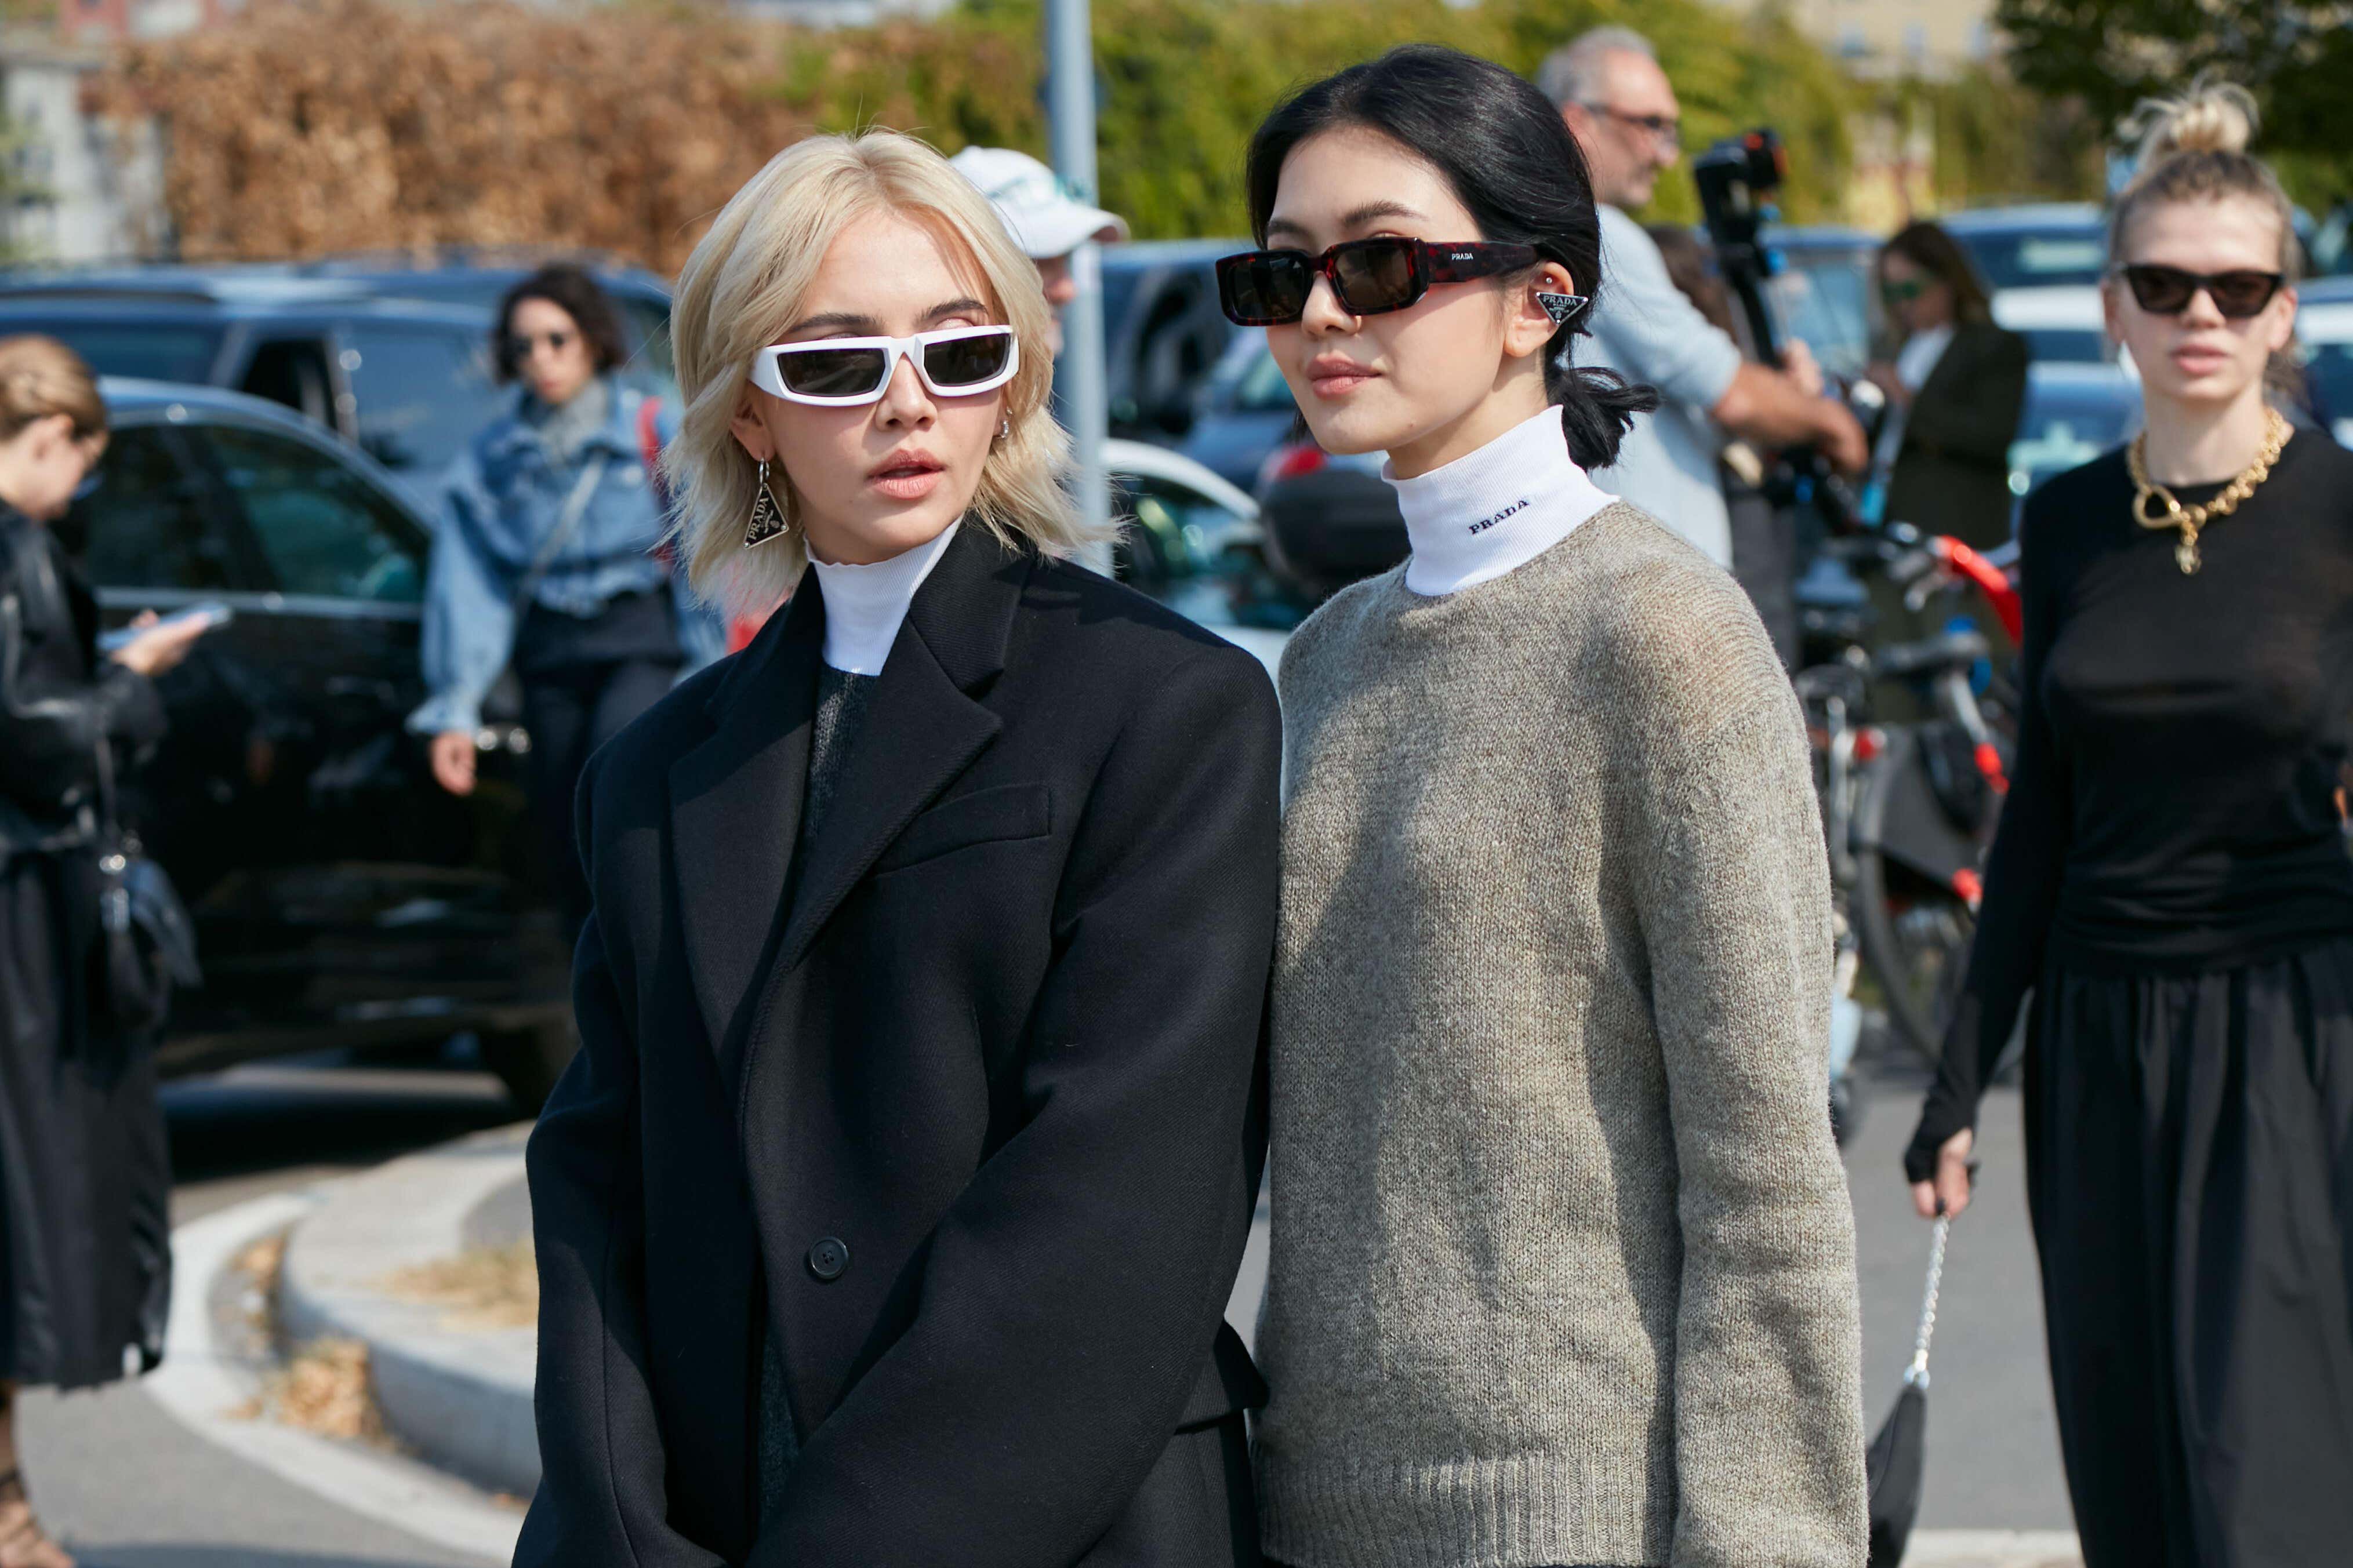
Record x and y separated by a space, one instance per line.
130 1487
124 1484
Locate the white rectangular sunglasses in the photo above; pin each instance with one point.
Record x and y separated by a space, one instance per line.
840 373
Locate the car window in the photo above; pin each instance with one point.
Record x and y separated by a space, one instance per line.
2067 429
2068 345
2328 368
651 362
293 371
2027 260
1172 531
1262 388
150 523
422 393
154 350
1824 300
322 529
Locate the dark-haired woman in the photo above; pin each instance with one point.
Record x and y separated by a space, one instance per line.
1563 1266
546 558
2171 884
1955 389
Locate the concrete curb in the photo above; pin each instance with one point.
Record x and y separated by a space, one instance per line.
461 1398
205 1386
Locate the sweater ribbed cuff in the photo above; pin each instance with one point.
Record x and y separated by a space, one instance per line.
1545 1508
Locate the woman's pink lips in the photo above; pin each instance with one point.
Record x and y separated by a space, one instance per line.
908 483
2197 358
1338 385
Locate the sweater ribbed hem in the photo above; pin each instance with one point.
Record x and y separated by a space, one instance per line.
1527 1512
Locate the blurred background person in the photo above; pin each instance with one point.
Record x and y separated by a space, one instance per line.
85 1175
549 558
2170 880
1764 537
1955 389
1622 109
1045 221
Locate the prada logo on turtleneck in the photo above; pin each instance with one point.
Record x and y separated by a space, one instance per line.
1485 523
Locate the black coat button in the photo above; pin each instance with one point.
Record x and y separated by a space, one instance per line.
829 1258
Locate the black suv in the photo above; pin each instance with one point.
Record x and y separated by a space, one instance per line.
407 380
340 897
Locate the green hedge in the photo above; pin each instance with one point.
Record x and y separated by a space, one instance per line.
1184 82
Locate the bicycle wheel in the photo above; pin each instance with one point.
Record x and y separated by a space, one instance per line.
1915 937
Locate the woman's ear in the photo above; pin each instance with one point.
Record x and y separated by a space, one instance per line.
1548 299
751 431
2283 327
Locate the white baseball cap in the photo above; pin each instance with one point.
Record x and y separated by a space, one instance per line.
1045 219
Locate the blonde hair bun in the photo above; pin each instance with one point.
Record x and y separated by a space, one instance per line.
2214 116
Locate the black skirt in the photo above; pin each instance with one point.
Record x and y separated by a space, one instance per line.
85 1172
2190 1143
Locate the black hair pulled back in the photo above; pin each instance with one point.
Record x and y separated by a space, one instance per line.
1501 147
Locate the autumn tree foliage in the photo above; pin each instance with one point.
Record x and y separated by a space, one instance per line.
304 130
310 127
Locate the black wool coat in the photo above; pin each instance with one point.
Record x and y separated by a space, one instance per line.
1952 474
967 1109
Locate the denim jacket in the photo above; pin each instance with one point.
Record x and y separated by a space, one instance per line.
503 497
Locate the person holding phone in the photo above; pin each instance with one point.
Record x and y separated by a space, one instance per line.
549 559
85 1176
1563 1263
888 1214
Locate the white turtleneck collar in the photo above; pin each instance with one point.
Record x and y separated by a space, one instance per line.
865 605
1493 510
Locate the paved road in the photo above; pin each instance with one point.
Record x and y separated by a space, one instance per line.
126 1485
136 1490
1993 1444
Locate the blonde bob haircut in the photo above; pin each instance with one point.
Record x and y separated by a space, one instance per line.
742 288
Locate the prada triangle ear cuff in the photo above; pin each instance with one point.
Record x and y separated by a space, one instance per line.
1561 307
767 517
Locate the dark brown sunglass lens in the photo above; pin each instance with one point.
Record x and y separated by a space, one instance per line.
1264 291
967 361
2239 295
1374 278
2162 291
832 372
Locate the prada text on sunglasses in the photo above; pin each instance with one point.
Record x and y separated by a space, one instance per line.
2168 290
1269 287
839 373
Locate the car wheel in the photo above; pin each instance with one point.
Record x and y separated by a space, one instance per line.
529 1061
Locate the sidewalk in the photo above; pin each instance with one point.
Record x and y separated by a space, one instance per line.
457 1391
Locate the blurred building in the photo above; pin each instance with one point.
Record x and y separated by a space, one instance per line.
73 186
1936 39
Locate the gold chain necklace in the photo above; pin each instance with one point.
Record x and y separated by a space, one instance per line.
2191 519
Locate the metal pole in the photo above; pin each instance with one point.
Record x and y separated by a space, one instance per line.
1071 106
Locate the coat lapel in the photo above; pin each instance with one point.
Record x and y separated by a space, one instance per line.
923 725
735 811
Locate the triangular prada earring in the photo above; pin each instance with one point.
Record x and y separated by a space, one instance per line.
1561 307
767 517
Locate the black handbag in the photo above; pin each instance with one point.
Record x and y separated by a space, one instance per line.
147 944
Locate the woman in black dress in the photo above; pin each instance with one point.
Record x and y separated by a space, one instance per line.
85 1240
888 1214
2171 881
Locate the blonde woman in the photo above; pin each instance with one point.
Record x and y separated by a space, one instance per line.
889 1211
84 1180
2171 883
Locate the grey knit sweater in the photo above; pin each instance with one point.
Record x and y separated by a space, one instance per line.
1563 1265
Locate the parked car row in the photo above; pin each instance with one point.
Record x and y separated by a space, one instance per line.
277 453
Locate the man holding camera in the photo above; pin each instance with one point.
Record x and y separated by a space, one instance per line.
1622 110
